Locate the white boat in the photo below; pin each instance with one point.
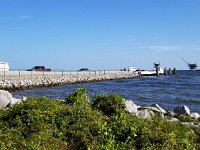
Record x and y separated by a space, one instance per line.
132 69
4 66
156 71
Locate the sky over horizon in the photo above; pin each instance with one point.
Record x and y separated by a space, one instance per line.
99 34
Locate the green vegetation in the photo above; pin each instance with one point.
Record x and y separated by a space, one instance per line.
42 123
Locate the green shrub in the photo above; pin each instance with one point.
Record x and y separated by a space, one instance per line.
80 94
30 123
109 104
42 123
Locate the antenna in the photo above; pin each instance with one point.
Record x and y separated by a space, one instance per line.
184 60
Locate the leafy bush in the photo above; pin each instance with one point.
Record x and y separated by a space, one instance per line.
79 95
109 104
42 123
29 124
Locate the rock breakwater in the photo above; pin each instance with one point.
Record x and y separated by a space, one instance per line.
179 113
11 84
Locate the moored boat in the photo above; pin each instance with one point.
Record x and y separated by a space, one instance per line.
156 71
132 69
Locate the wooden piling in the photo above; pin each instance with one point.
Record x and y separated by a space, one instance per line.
165 71
169 71
174 71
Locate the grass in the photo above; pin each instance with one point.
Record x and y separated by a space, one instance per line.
43 123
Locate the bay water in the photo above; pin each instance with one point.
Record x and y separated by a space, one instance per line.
167 91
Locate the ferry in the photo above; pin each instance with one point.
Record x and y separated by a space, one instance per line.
4 66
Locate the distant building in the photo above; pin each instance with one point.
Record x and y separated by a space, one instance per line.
4 66
190 65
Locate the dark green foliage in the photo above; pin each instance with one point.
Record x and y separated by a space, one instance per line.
80 94
30 124
185 118
109 104
42 123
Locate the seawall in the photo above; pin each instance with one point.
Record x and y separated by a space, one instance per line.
16 82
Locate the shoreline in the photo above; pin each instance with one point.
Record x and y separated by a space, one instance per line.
18 83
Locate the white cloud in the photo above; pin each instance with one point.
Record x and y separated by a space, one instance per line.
195 47
20 28
19 18
23 17
166 48
163 48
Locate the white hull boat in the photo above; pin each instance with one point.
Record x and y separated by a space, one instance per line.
132 69
156 71
151 72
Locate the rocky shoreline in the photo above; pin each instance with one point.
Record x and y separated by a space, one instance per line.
173 115
11 84
145 112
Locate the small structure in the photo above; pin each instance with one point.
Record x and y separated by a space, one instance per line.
4 66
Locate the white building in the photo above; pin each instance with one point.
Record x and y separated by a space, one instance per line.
4 66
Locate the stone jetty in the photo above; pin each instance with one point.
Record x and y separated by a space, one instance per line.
13 83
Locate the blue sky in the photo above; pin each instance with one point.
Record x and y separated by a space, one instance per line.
99 34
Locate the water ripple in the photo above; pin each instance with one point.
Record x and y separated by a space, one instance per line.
167 91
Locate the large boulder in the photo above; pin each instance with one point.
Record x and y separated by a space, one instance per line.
131 107
145 114
6 99
195 115
181 110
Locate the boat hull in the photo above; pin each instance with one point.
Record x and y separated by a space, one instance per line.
151 72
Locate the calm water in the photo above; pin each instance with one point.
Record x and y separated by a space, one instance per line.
167 91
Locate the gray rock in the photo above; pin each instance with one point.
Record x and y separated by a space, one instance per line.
181 110
159 108
145 114
195 124
131 107
171 113
153 109
172 120
14 101
195 115
6 99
